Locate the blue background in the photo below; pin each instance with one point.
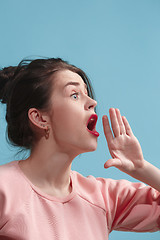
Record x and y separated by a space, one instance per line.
117 43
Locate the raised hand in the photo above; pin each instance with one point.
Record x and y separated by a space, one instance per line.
123 145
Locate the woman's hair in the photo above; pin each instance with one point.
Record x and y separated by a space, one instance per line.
26 86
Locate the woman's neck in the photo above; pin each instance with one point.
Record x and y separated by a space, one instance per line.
49 170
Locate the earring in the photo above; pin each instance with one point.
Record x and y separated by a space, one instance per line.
47 131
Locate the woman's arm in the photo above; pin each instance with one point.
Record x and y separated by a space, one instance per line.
126 151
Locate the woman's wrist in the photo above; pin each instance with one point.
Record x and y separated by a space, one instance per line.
149 174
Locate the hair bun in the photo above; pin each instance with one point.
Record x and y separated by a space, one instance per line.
6 77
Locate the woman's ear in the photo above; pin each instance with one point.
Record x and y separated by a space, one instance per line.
38 118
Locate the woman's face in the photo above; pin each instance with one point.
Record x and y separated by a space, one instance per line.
71 109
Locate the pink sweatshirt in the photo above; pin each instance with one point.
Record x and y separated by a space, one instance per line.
95 207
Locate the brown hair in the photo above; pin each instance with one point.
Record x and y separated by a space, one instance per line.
29 85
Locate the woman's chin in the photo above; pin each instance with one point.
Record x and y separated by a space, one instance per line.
91 148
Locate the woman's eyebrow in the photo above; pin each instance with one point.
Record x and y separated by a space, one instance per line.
75 84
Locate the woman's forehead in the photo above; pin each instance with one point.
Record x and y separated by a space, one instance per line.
66 77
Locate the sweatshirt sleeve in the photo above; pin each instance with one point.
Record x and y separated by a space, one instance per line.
130 206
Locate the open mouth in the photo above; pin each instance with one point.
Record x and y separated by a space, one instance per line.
91 125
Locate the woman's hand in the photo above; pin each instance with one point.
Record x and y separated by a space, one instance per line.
126 151
123 145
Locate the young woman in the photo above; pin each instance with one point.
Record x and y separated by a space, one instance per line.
51 112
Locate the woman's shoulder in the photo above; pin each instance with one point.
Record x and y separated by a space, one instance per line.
14 191
89 188
11 180
102 183
91 182
7 170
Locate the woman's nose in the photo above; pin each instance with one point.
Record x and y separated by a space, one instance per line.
91 104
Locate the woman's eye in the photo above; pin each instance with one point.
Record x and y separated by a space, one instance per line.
75 96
